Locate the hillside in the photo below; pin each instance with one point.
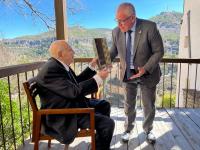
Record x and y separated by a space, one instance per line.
169 25
35 47
169 21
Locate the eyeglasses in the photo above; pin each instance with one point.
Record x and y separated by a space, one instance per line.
122 21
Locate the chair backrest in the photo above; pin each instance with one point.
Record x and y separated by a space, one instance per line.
31 90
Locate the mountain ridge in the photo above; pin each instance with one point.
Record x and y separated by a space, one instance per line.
32 47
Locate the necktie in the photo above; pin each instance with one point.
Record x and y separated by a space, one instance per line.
128 54
71 76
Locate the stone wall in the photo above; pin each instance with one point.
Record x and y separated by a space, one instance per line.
193 98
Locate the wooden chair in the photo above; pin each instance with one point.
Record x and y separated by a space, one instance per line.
31 91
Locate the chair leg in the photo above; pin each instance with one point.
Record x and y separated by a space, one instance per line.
92 129
66 147
36 145
33 128
36 139
37 132
93 142
49 143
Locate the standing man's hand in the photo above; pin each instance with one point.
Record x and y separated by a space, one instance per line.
104 73
141 72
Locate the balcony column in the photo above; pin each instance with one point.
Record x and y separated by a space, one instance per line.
61 19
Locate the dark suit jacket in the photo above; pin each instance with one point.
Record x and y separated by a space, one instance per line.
148 50
58 91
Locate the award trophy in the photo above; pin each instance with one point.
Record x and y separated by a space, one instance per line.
102 52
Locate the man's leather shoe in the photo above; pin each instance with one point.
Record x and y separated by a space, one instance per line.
125 137
151 139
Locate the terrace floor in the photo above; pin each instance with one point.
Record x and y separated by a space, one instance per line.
175 129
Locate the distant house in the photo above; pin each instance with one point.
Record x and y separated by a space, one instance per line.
189 47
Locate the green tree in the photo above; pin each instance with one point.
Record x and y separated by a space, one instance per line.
8 123
168 99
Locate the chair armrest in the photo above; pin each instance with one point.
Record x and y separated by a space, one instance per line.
66 111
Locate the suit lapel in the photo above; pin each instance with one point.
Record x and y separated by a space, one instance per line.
138 33
60 65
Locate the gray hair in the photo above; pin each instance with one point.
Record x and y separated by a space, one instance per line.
128 8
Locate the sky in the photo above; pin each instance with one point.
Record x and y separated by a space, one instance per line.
15 22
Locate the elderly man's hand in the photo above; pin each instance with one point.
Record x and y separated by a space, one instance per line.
93 63
104 73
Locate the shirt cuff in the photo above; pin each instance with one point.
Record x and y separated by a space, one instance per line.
98 80
92 68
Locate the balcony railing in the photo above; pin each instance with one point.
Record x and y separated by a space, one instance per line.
179 87
15 114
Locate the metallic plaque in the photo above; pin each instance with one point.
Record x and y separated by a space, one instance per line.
102 52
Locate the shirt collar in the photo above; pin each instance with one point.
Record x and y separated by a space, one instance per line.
133 27
65 66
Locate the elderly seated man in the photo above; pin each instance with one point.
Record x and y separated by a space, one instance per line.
60 87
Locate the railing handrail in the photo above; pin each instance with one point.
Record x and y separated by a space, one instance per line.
180 60
166 60
15 69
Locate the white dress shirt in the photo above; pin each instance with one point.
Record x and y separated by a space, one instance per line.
96 77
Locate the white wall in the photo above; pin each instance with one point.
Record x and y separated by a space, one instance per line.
194 7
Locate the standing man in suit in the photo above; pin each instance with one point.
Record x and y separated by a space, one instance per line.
60 88
139 46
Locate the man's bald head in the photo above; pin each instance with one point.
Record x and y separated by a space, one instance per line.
62 51
56 47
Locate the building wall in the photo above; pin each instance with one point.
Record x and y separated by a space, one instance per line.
189 47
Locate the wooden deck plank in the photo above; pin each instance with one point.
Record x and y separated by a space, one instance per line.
118 115
55 145
196 111
173 136
141 135
174 130
134 142
189 129
82 143
159 131
194 115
